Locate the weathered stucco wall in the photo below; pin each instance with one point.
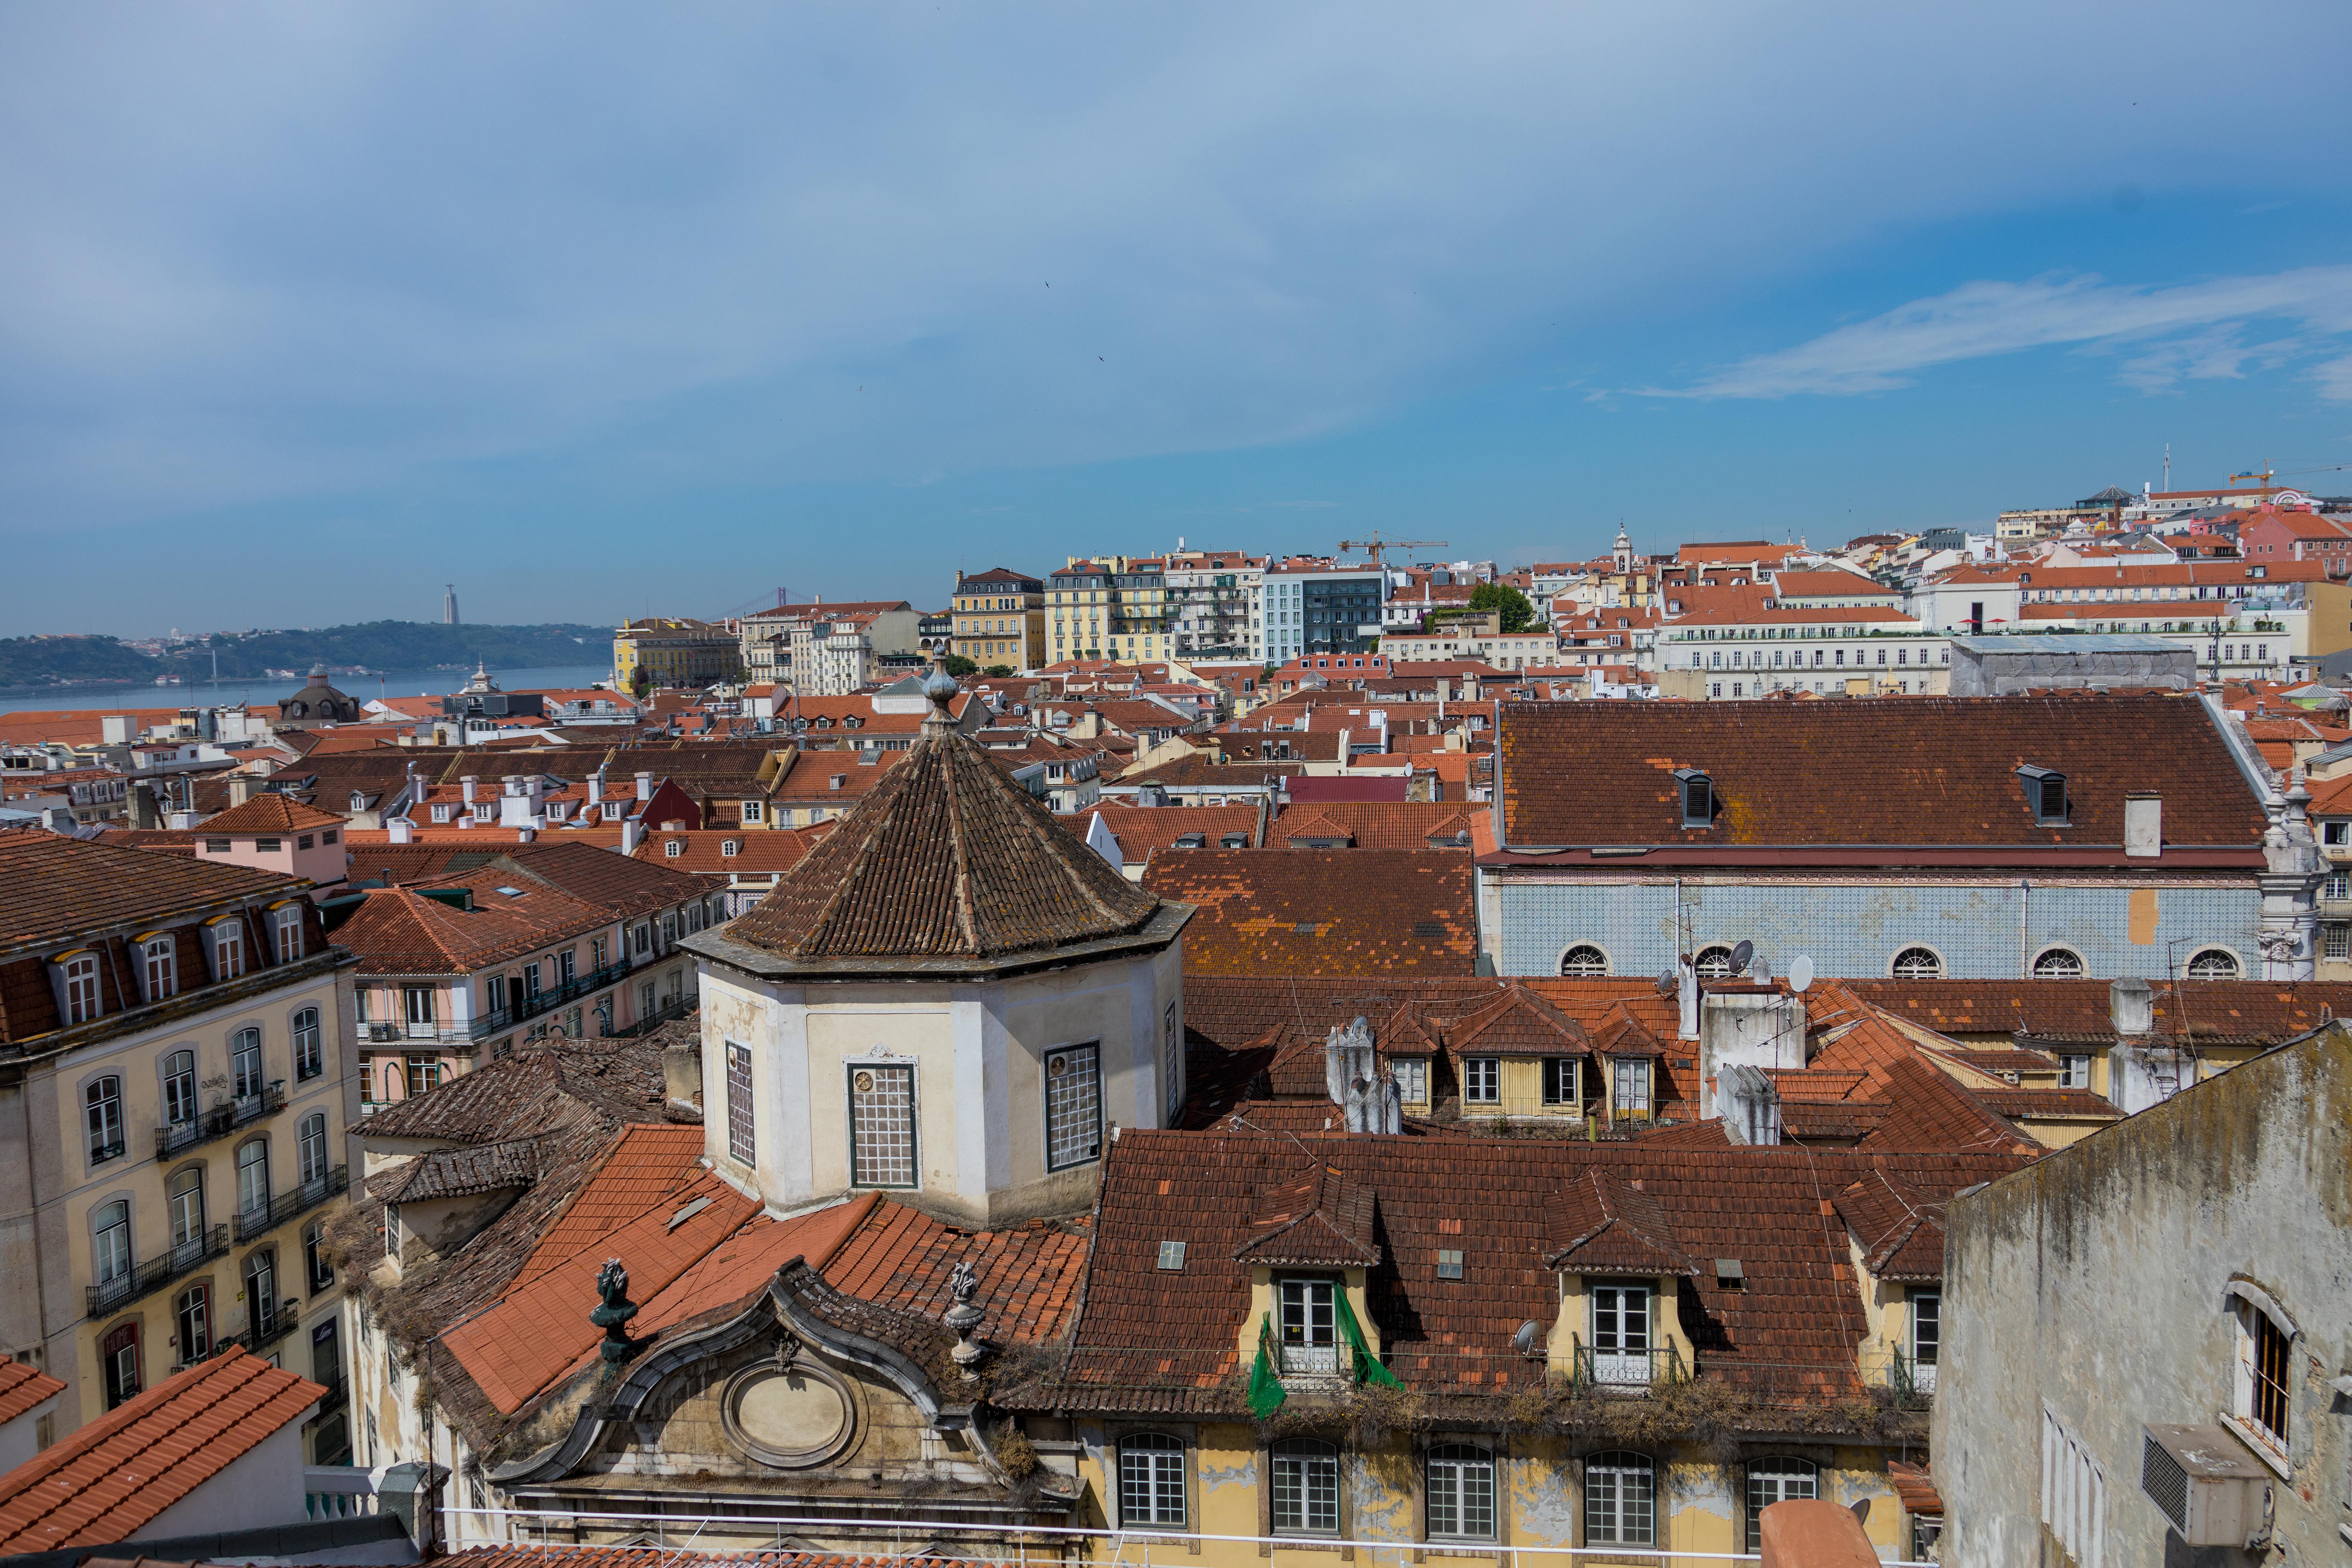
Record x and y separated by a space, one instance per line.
2096 1282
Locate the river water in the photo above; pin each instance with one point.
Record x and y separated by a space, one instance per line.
229 693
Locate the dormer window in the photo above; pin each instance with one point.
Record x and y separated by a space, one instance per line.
1698 797
1309 1330
1621 1317
2045 792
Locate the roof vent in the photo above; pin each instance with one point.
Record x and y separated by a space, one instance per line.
511 892
1728 1273
1192 840
1172 1257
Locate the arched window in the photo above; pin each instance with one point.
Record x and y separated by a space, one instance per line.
310 1054
101 1104
2058 963
1776 1480
244 1064
1583 961
1461 1492
180 1088
1151 1479
118 1357
262 1309
1713 963
192 1313
1621 1500
319 1272
2213 963
228 948
80 975
1916 964
289 933
392 1081
311 1143
185 1202
1306 1488
159 966
252 1184
109 1243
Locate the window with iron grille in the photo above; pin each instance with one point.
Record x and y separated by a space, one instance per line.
740 1139
1461 1492
1150 1479
2269 1343
882 1126
1073 1107
1584 961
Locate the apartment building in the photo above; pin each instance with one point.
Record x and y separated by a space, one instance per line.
178 1072
676 651
1744 646
2100 835
854 637
1320 607
1000 619
1214 597
537 940
1082 610
2265 616
1143 624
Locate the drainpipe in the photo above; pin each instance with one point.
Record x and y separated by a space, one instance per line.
2024 930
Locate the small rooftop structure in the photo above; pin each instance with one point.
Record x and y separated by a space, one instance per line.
1999 666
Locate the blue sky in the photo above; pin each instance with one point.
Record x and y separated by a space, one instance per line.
597 309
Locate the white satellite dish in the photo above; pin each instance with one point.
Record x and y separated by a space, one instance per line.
1800 973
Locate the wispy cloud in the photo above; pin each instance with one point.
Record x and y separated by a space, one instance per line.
2195 327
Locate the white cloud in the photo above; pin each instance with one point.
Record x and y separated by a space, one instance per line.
1978 320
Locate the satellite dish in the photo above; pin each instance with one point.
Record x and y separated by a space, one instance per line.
1524 1341
1667 980
1801 974
1741 955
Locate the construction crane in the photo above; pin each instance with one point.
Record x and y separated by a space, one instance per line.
2265 475
1376 544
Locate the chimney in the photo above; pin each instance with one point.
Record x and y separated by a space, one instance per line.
632 833
116 729
1687 1001
511 783
645 786
142 805
596 785
2143 825
402 830
240 789
468 780
682 1080
2131 1006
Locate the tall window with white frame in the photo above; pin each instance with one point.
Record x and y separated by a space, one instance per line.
1307 1327
1482 1080
159 965
882 1143
109 1239
310 1051
80 977
253 1186
1306 1488
1926 1308
1629 1087
1461 1492
1776 1480
289 934
228 948
1073 1107
244 1065
311 1148
1622 1318
1621 1500
743 1141
1150 1481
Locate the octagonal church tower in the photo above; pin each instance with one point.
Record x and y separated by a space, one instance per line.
953 999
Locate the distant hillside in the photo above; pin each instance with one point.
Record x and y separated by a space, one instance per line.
374 645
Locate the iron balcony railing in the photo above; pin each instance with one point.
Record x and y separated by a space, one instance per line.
1628 1371
279 1207
337 1388
1310 1360
220 1121
678 1007
525 1008
143 1279
272 1322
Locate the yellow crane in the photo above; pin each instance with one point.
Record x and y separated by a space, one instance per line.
1376 544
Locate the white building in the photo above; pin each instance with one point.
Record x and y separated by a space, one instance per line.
1216 599
951 997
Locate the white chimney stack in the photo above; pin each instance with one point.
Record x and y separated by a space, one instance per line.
645 786
2143 825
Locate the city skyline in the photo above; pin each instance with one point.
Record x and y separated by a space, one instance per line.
618 317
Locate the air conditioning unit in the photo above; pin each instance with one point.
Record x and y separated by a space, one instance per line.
2212 1491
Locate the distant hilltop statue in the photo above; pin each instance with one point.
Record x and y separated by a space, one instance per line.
449 605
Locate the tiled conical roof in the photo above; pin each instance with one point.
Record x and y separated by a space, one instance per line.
946 858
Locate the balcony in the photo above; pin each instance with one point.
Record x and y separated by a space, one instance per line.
151 1276
529 1007
259 1221
338 1389
1627 1371
1309 1360
678 1007
220 1121
276 1321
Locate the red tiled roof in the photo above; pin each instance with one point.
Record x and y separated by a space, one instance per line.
758 851
2061 1012
1398 913
267 813
531 1555
1142 829
1375 825
1894 772
52 886
22 1387
105 1481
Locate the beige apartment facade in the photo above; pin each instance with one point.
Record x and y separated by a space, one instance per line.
1000 619
179 1051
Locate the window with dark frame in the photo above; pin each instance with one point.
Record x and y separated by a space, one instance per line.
2045 791
743 1141
1698 797
1073 1107
882 1125
1482 1080
2268 1406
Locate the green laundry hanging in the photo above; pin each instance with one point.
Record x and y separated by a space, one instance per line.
1367 1365
1265 1389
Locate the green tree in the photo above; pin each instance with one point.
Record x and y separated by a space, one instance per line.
641 681
999 670
1517 611
955 664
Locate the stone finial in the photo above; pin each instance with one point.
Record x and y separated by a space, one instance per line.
963 1319
941 689
614 1312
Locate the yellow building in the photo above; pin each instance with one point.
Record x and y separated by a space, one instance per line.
677 652
1000 619
178 1094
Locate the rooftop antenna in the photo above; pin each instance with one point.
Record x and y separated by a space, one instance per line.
2167 467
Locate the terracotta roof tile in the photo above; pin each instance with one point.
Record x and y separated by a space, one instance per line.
107 1480
1375 825
52 886
268 813
1374 912
22 1387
